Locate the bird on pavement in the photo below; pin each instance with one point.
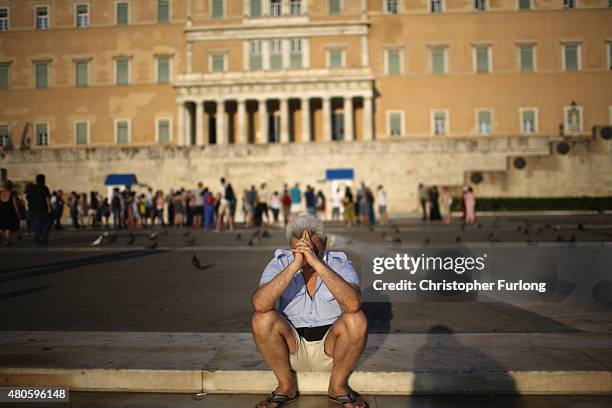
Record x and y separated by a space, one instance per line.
427 241
153 235
458 239
191 241
113 238
559 238
396 229
238 237
195 261
98 241
186 233
397 240
153 245
266 234
572 238
250 242
132 239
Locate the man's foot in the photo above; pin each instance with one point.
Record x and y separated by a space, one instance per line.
347 398
279 398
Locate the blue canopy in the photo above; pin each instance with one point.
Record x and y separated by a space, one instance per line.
339 174
120 180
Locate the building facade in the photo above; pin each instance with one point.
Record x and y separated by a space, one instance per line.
94 73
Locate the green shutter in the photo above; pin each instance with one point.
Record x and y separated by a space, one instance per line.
218 63
4 135
217 8
122 13
484 122
335 58
571 57
295 60
122 132
528 121
4 76
163 70
482 60
334 6
163 11
42 135
393 62
437 61
81 133
255 8
42 73
122 72
527 59
276 61
81 73
395 124
163 131
524 4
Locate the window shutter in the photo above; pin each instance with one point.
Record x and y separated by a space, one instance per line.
527 59
164 131
393 62
396 124
81 73
571 58
163 11
335 59
217 11
482 60
81 133
122 13
437 55
122 72
334 6
41 75
255 8
163 70
4 76
122 132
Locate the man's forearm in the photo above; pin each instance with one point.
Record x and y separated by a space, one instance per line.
265 296
346 294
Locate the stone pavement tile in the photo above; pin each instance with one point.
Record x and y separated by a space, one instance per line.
55 338
602 356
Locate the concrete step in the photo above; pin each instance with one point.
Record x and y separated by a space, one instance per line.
393 364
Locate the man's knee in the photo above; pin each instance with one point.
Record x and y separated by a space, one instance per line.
265 322
356 324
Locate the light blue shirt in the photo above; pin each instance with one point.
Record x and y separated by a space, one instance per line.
295 304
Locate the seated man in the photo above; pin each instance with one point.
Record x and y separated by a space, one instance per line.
308 315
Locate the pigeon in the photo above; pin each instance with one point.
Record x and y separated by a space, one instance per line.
397 240
386 236
371 228
153 245
526 231
98 241
250 242
153 235
191 241
559 239
238 237
539 230
519 228
427 241
186 233
581 227
479 225
266 234
164 232
196 262
396 229
458 239
256 234
113 238
132 239
572 238
490 236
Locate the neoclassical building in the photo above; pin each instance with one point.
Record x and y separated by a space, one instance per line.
197 72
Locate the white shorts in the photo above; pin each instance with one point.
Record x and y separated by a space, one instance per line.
310 355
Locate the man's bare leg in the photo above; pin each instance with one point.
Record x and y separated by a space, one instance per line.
275 340
345 343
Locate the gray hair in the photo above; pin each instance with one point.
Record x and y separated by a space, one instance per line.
308 222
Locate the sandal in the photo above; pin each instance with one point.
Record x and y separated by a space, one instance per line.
281 400
351 398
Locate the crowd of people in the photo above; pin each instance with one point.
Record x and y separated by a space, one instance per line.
436 205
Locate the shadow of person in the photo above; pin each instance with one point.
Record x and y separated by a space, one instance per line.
444 366
379 312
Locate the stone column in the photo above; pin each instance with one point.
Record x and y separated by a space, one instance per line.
241 112
306 137
220 122
199 122
284 125
348 118
367 118
263 121
327 131
188 126
180 128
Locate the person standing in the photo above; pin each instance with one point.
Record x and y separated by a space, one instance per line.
170 205
232 202
58 209
370 200
321 204
263 199
198 205
179 209
209 209
159 207
309 197
9 212
434 205
446 202
286 202
470 206
349 207
296 198
39 207
382 204
275 206
223 203
73 206
422 192
116 208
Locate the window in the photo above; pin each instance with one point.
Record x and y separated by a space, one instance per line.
42 75
122 12
275 7
217 9
524 4
42 17
438 60
335 58
334 6
573 119
569 4
163 11
5 76
295 7
163 70
276 54
5 137
122 131
217 62
435 6
391 6
295 57
255 8
439 125
483 122
393 61
42 134
395 123
526 58
4 19
610 55
571 57
480 5
122 71
81 69
163 130
81 132
482 56
82 15
255 54
529 124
